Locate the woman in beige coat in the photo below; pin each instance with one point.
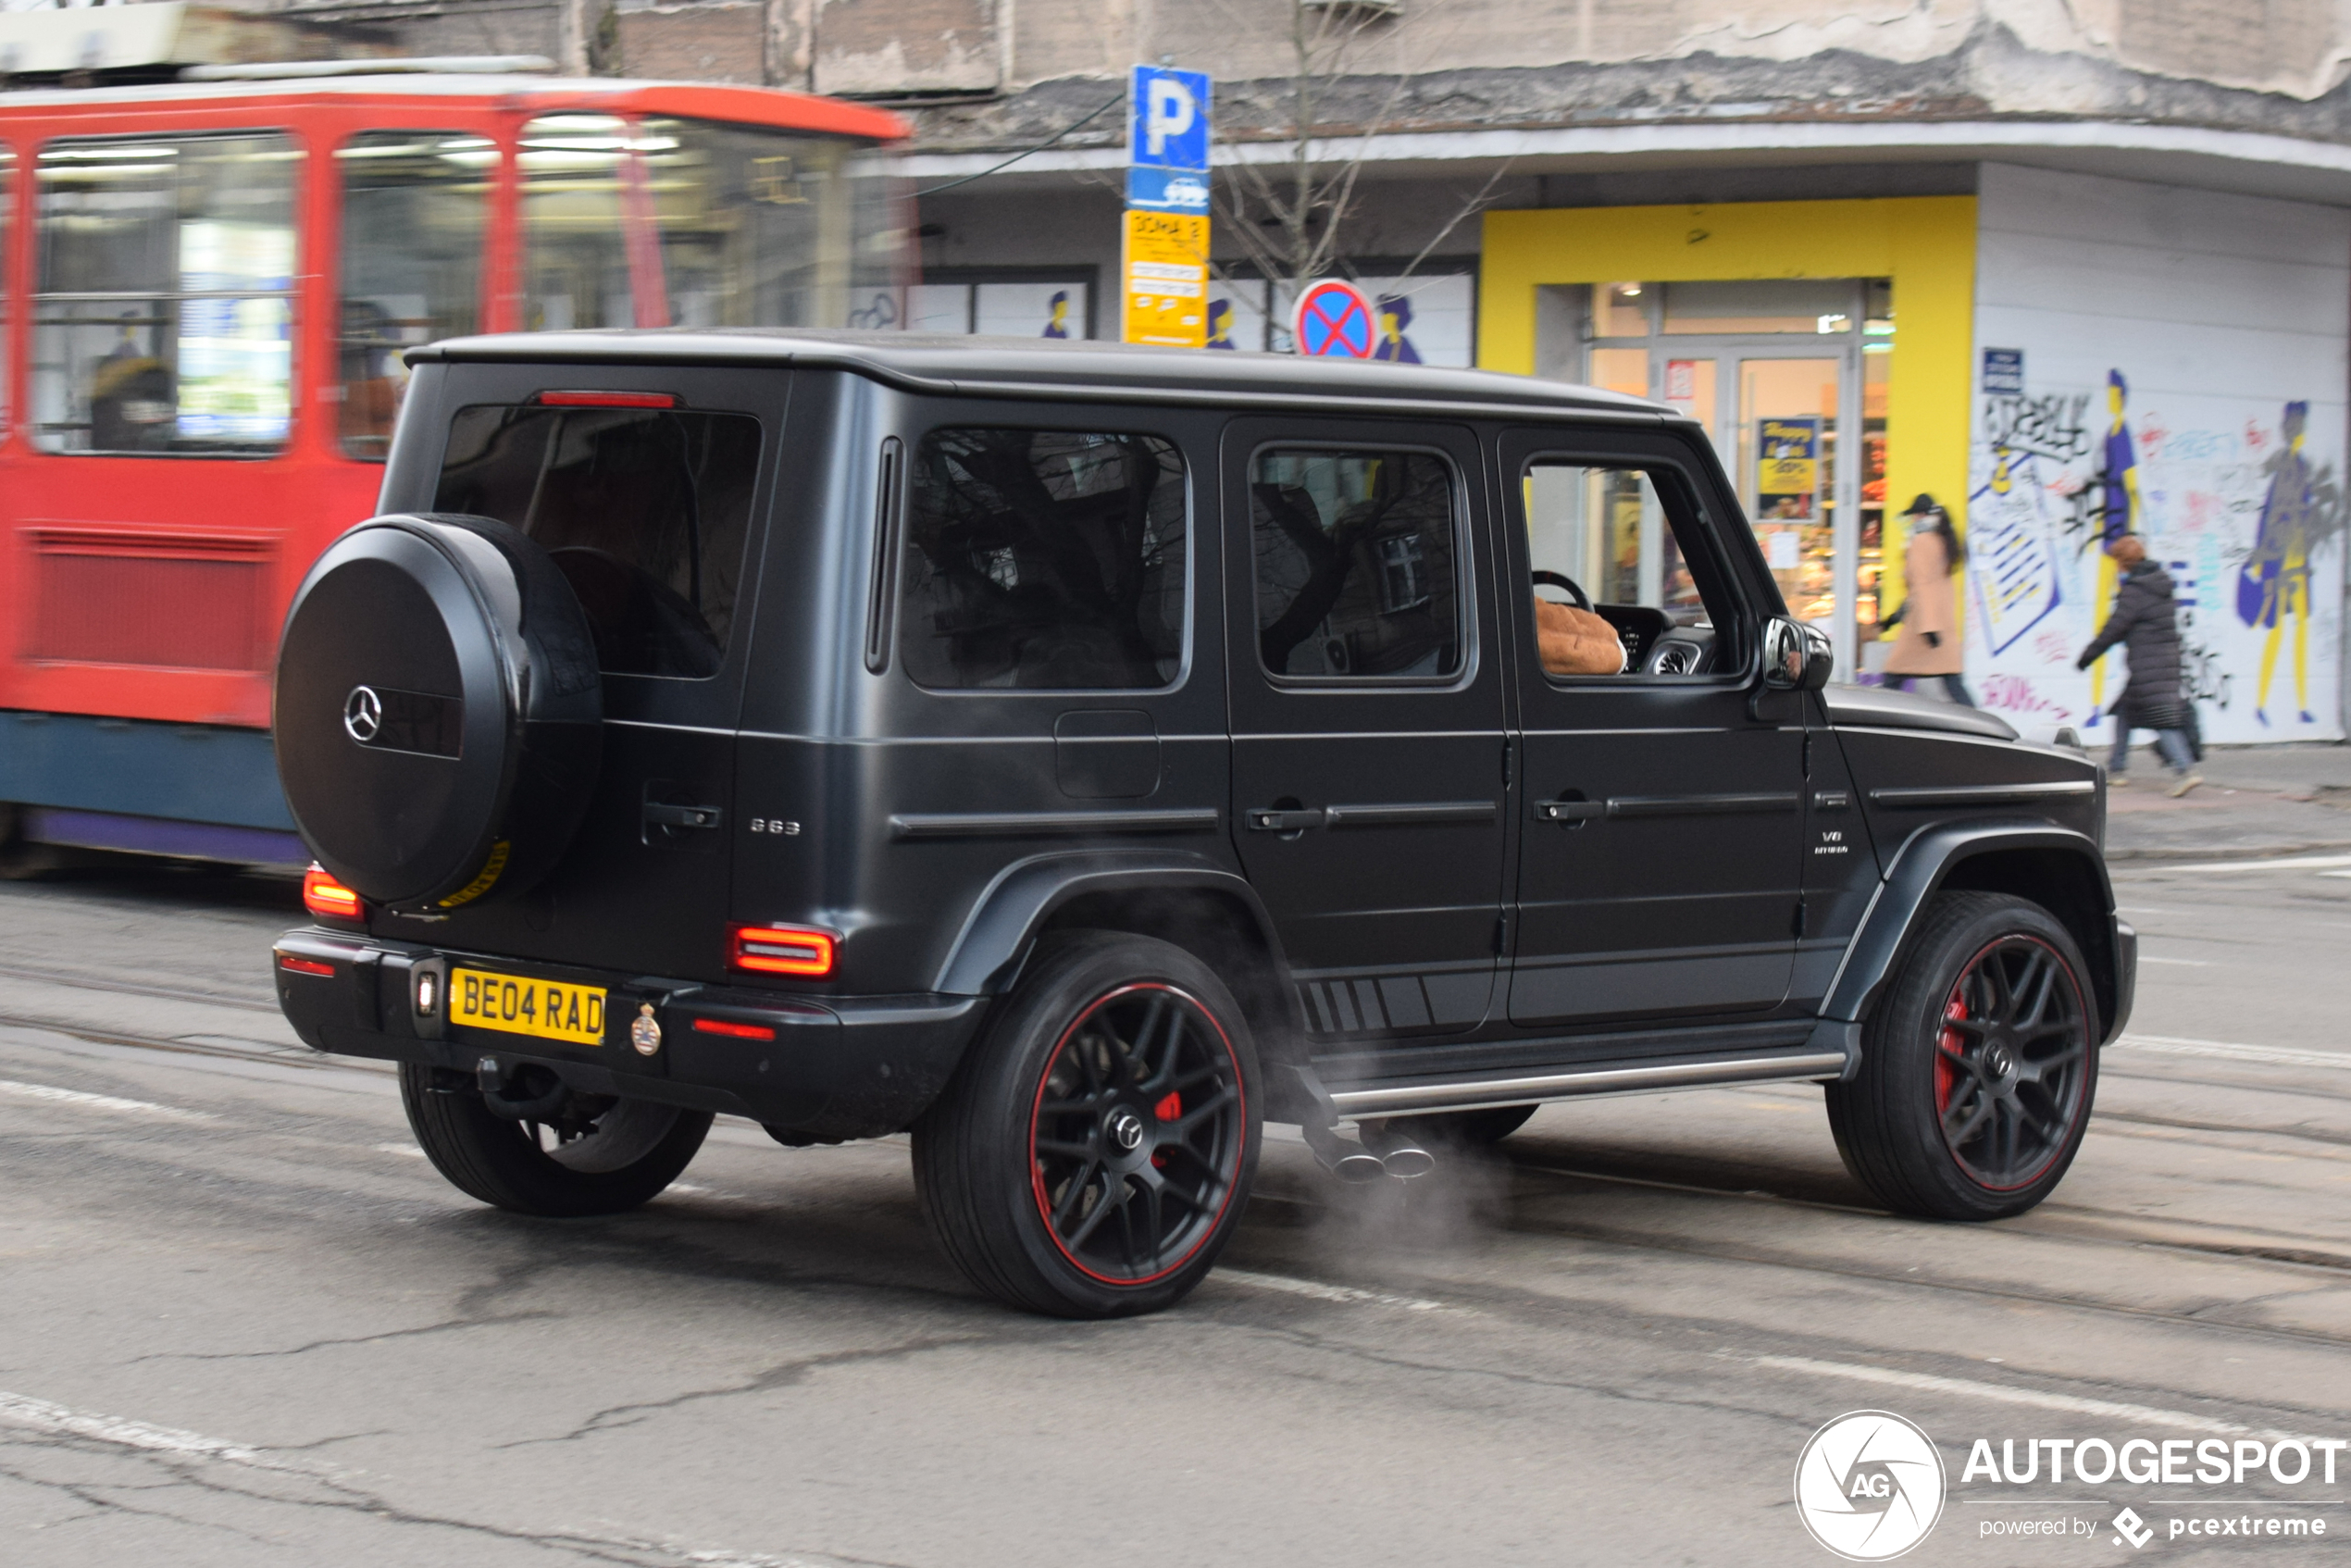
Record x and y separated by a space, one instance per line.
1928 646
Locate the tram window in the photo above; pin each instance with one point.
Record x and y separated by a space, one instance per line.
645 511
762 228
164 319
414 206
577 254
755 228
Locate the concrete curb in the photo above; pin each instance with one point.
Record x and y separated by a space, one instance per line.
2159 852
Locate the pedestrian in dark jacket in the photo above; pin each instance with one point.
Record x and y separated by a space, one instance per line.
2143 620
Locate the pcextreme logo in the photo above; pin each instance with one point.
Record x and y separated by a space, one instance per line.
1869 1486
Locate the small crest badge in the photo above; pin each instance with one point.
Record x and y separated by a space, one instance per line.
645 1031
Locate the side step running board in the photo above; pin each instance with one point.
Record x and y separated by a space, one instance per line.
1432 1095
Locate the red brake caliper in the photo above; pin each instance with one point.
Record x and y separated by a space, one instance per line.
1947 1040
1168 1110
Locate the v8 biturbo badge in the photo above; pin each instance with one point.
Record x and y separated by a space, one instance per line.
644 1032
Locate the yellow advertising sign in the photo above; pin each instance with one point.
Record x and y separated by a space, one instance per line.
1165 272
1787 467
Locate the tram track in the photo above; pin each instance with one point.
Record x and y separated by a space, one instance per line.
77 981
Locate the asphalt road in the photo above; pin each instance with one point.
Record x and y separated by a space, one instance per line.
243 1322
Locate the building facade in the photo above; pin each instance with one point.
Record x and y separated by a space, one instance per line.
2071 268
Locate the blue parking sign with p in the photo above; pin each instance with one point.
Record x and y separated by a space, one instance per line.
1167 125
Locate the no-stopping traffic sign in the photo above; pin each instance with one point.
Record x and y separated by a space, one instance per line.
1334 321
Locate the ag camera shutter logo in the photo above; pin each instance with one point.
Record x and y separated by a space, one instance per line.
1869 1486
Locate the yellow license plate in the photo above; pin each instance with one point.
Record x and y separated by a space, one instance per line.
517 1005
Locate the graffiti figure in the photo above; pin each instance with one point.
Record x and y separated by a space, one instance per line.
2119 512
1394 317
2302 509
1058 326
1220 324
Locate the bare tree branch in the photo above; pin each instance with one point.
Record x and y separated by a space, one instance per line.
1291 217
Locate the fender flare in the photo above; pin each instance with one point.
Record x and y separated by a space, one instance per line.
997 933
1919 871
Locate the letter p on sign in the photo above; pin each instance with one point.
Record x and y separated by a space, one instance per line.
1171 114
1168 125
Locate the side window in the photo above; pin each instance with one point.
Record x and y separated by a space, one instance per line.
1355 562
165 306
646 511
1622 583
415 205
1043 559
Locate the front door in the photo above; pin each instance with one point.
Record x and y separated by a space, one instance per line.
1660 863
1367 716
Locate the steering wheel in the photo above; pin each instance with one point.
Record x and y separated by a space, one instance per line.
1561 580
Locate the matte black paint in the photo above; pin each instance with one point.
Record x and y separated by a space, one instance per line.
1498 876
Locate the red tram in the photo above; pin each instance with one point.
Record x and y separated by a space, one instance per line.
205 291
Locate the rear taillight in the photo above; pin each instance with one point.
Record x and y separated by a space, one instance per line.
304 966
782 950
327 898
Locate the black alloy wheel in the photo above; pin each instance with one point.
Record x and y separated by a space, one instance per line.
1979 1066
1136 1140
2011 1063
1093 1152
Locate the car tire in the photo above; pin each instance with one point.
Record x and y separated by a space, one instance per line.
1093 1152
499 1158
1979 1068
1464 1129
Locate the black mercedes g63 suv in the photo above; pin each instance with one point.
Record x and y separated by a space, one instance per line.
1077 755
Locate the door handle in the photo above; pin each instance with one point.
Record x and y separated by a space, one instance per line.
1570 810
660 814
1267 819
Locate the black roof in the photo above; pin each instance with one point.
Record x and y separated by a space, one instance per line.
1045 368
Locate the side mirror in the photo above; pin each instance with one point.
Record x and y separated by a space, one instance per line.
1796 657
1783 655
1820 658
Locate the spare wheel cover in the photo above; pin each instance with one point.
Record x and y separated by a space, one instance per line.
438 711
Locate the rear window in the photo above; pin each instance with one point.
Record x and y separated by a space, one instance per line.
646 511
1044 559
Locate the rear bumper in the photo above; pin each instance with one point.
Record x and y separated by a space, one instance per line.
836 1068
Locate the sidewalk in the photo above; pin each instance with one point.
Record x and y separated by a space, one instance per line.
2254 801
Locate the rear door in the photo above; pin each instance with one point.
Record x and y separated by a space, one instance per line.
649 487
1661 862
1367 716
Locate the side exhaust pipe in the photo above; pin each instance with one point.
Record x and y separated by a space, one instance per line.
1342 1157
1347 1160
1399 1155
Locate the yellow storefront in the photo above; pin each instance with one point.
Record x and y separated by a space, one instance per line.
1774 325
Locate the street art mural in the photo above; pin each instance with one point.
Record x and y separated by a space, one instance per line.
2238 502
